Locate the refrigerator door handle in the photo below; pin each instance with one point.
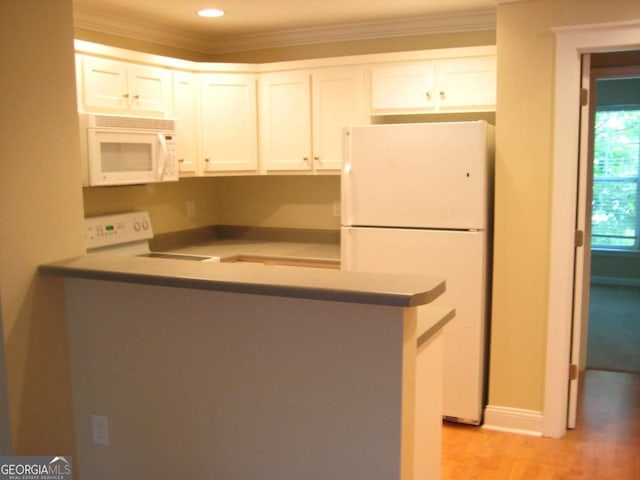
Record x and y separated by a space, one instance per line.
346 180
346 255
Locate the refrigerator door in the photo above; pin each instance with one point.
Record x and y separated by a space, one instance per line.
430 175
460 258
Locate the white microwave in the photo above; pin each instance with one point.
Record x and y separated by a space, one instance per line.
120 150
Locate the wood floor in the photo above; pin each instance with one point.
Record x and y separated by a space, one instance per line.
604 446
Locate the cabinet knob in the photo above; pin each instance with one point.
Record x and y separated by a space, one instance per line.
206 159
443 95
428 96
126 95
181 160
136 97
306 159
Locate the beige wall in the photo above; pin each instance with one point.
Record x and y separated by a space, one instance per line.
266 201
40 216
526 71
165 202
279 201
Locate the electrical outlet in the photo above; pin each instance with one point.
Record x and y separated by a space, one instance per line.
100 430
191 209
336 208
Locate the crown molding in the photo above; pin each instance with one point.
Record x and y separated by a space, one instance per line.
95 21
474 21
145 31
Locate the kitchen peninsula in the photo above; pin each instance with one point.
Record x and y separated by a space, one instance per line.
252 371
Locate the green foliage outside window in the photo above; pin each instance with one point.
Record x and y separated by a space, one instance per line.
616 170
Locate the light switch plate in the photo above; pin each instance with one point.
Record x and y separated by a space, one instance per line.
100 430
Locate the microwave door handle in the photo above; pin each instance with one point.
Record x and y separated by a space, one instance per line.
162 164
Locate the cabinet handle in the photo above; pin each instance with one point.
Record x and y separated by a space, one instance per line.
443 95
206 159
316 159
126 95
136 97
181 160
428 96
306 159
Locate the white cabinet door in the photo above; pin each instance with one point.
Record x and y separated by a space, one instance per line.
338 100
148 90
229 122
117 87
104 85
467 84
302 115
285 121
444 85
403 88
186 110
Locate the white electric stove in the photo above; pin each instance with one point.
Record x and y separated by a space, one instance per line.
128 234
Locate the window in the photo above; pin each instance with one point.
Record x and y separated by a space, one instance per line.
616 171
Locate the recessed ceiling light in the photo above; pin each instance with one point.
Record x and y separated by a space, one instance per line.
211 12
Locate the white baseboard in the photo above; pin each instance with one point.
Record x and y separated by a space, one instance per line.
513 420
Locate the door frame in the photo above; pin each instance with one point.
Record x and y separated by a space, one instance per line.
582 264
571 43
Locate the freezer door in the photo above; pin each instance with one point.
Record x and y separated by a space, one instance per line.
433 175
460 258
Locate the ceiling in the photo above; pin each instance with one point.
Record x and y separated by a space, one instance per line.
263 23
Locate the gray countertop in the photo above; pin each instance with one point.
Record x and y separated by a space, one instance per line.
228 249
257 279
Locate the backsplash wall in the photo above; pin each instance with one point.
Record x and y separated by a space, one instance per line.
295 201
175 206
267 201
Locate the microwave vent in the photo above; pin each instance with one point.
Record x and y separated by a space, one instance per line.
143 123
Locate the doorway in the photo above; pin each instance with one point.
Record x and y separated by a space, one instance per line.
614 214
561 387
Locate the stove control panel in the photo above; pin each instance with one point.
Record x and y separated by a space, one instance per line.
117 229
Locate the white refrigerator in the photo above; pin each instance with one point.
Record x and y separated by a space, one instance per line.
417 198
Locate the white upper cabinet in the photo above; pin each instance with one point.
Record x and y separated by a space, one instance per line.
282 118
302 114
285 121
403 87
229 139
467 84
110 86
186 110
447 85
338 100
